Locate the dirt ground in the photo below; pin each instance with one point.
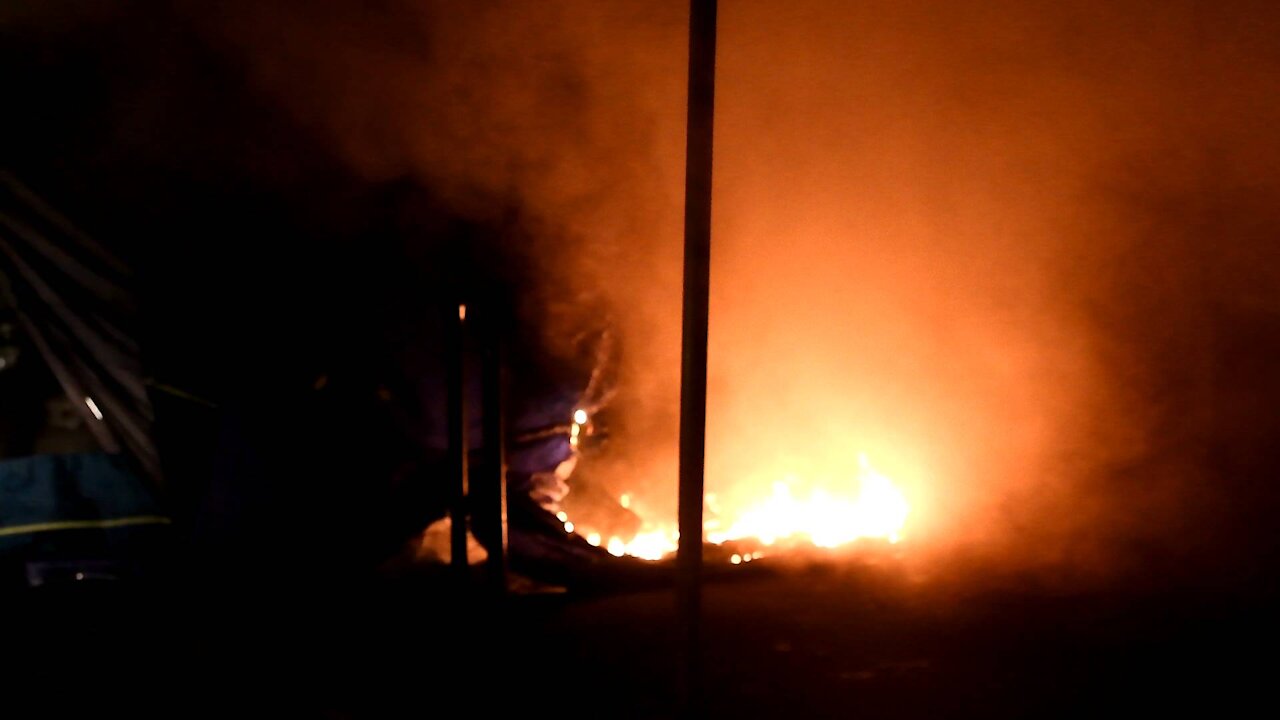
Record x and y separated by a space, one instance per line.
820 641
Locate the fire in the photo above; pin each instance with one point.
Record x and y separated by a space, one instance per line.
877 509
869 505
652 544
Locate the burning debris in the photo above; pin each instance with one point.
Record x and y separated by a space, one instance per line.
867 506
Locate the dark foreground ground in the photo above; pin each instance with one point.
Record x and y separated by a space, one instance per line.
817 641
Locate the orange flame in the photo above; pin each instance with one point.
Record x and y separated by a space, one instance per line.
877 510
871 507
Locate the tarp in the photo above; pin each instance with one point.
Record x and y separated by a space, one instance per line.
91 493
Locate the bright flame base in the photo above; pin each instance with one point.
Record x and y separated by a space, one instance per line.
873 508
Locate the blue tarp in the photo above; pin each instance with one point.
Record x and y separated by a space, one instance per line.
45 496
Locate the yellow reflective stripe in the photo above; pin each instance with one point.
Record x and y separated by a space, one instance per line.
84 524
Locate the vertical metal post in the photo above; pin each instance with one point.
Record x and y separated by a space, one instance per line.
693 367
495 441
457 424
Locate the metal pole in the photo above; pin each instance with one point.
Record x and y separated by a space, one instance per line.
693 367
457 424
495 441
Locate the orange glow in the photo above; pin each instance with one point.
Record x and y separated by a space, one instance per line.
874 508
652 544
617 548
869 506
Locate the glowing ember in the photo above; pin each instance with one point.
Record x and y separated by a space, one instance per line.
617 548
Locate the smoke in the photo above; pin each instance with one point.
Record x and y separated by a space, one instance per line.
988 244
571 110
992 245
1019 253
995 247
